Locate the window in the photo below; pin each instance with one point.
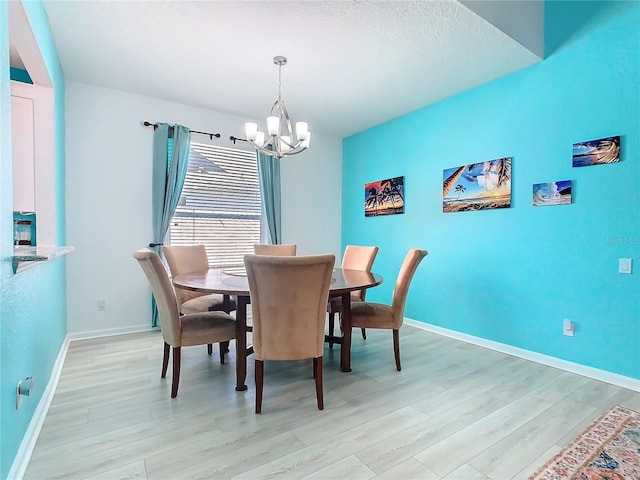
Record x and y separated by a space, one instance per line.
220 205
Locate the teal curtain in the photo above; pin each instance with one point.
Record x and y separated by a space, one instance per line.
170 160
269 175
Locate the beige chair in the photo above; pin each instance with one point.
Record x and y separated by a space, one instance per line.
281 250
181 330
289 304
356 257
193 258
378 315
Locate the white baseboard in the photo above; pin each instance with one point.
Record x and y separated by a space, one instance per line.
596 374
109 332
21 461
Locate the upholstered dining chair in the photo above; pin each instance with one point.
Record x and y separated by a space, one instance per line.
355 257
193 258
378 315
181 330
289 304
287 249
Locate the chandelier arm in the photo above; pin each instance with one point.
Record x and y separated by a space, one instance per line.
270 153
276 153
293 152
284 111
291 145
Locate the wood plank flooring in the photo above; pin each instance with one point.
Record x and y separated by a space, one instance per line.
455 412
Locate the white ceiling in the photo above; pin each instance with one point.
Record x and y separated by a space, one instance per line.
352 64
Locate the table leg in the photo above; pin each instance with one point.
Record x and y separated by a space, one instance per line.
345 349
241 342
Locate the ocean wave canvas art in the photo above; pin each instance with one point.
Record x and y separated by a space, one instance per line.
596 152
552 193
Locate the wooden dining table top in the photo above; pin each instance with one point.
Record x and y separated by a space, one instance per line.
233 281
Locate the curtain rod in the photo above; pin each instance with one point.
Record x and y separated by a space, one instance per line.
211 135
236 139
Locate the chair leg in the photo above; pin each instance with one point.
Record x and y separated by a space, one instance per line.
224 348
165 360
364 333
210 349
317 373
176 372
332 323
259 367
396 348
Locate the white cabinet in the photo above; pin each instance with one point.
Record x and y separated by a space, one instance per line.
23 152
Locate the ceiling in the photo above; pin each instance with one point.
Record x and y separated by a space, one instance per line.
352 64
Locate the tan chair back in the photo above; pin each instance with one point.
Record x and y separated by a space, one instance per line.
401 289
163 293
289 303
186 259
358 257
288 249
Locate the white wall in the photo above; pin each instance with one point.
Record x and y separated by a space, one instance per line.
108 155
312 198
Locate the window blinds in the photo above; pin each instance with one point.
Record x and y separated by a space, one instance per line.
220 204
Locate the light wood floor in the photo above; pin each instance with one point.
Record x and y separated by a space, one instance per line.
456 411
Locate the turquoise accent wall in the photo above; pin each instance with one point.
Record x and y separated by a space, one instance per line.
32 303
512 275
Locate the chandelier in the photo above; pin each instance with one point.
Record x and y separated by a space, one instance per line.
281 140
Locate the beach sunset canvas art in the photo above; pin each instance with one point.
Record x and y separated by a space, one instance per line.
596 152
384 197
477 186
552 193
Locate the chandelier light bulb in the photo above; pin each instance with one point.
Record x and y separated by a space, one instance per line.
251 129
273 125
302 129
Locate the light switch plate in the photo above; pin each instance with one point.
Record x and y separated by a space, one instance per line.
624 265
567 327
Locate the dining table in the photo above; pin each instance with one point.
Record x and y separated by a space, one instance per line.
233 282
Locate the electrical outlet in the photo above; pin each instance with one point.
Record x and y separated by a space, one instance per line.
102 305
567 327
23 389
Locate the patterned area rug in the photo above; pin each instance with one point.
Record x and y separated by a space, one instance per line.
609 449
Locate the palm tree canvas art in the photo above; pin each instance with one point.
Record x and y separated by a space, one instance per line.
478 186
384 197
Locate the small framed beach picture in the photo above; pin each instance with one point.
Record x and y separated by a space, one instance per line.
384 197
477 186
552 193
596 152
